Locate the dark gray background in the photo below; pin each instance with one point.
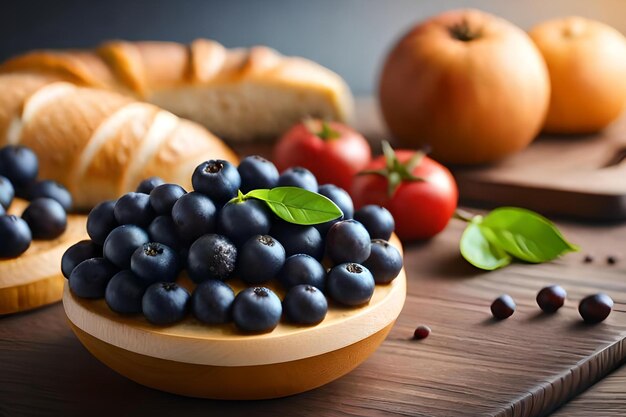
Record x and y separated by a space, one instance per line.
349 36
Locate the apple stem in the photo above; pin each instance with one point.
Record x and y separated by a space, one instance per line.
463 32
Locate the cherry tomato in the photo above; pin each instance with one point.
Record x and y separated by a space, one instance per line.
332 151
420 193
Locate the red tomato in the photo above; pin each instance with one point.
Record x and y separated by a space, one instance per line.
332 151
421 209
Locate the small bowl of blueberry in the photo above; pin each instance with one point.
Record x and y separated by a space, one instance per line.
253 285
35 229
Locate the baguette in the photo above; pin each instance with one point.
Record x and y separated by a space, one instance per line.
98 143
238 94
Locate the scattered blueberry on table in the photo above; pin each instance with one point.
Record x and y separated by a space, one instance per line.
595 308
503 307
551 298
421 332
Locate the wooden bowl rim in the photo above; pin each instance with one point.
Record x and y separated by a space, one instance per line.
193 342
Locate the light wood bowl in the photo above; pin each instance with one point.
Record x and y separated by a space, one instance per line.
34 279
218 362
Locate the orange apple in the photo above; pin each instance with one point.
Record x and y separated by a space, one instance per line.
587 65
470 85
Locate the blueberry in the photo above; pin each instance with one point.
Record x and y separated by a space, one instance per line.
155 262
377 220
78 252
46 218
503 307
7 192
146 186
2 210
183 253
90 278
165 303
299 239
298 177
163 230
134 208
260 259
16 236
421 332
340 197
211 257
50 189
551 298
302 269
257 310
384 262
348 241
595 308
212 302
350 284
124 292
257 172
217 179
305 304
194 215
122 242
19 164
239 221
101 221
163 197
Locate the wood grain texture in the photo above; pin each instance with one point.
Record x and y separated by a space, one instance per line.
469 366
607 398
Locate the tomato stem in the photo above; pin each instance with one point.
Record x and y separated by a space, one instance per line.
395 171
327 132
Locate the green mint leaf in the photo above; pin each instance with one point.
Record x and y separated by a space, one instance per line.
525 235
297 205
477 250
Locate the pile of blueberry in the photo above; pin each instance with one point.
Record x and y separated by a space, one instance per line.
45 217
141 242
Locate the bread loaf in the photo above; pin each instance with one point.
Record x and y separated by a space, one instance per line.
238 94
98 143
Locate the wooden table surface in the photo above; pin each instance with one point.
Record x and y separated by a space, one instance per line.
469 366
607 398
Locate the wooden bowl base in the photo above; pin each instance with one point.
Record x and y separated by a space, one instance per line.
233 382
36 294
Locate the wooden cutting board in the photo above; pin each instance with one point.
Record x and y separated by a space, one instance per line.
469 366
579 176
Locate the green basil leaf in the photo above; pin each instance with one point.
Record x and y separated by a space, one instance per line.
477 250
259 194
297 205
525 235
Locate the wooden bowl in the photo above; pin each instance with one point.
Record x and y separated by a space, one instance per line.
34 279
218 362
